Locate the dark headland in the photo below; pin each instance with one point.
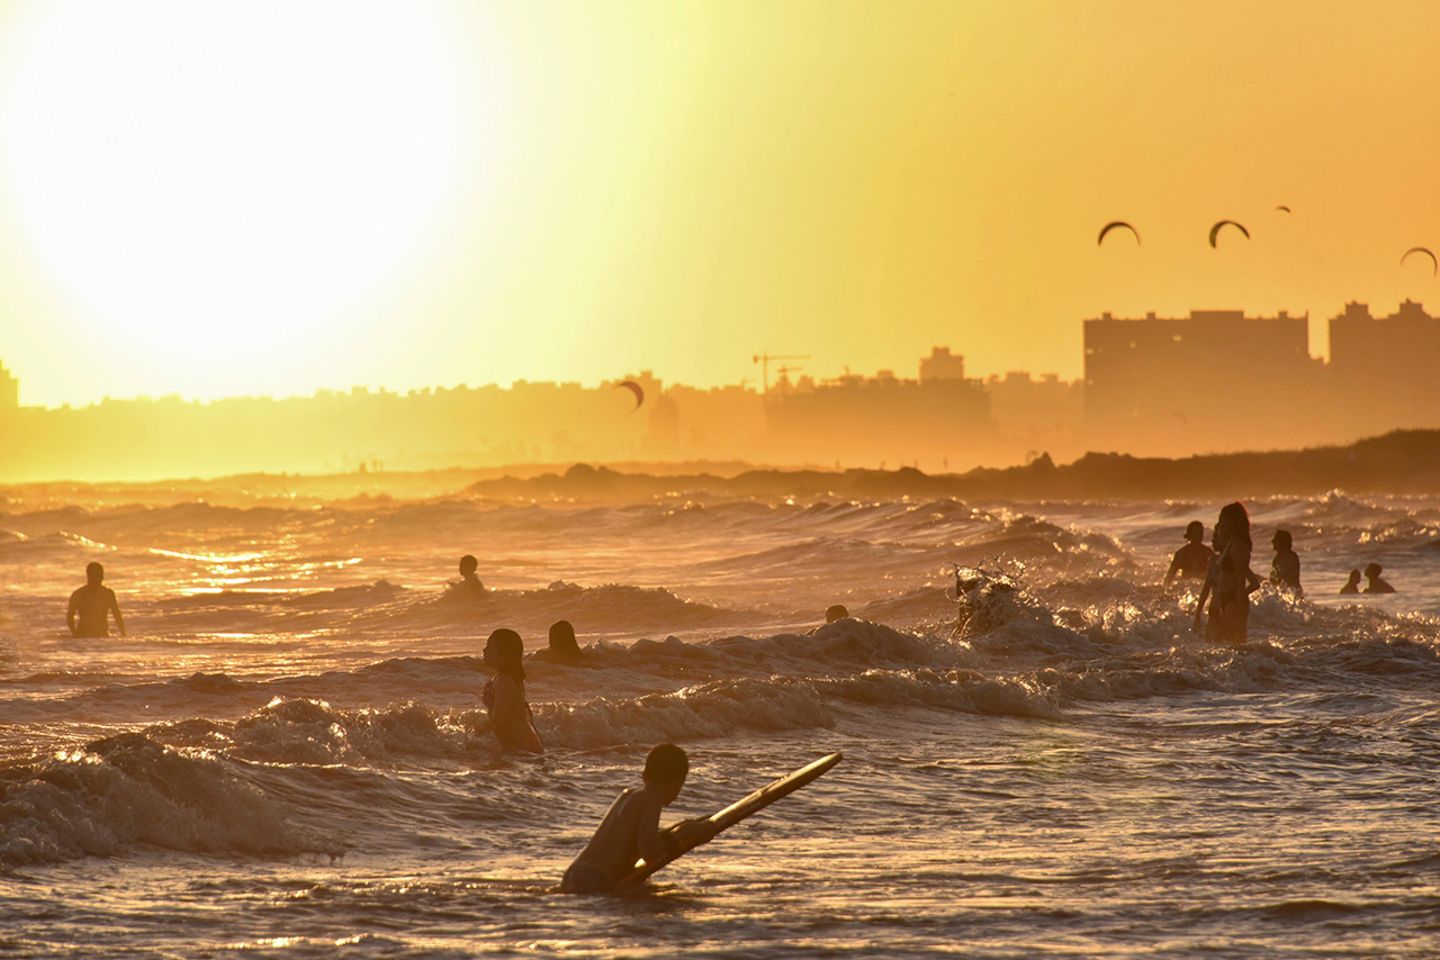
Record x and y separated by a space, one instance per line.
1404 462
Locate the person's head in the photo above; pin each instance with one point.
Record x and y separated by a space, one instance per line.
94 573
1195 531
505 651
562 638
1281 540
1235 522
1373 570
666 768
1354 578
468 565
836 612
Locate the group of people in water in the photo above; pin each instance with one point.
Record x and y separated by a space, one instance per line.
1228 581
630 829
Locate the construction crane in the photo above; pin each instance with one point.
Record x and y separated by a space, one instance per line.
764 360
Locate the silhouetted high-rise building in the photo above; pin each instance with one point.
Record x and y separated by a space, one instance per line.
1217 380
942 365
1385 372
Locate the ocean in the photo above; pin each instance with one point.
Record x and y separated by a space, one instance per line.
288 755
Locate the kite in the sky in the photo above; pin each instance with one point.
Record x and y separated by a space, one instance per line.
1434 263
1115 225
1215 230
1283 209
634 388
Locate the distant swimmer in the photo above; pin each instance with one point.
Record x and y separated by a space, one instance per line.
469 584
1193 559
631 828
92 605
1285 568
563 648
510 717
1353 584
836 612
1376 585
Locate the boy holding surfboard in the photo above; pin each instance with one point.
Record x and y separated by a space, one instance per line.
631 829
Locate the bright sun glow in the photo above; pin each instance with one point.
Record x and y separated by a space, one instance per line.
208 183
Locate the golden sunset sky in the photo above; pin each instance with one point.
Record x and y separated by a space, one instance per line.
271 198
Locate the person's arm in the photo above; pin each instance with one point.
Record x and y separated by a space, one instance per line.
115 609
1247 583
649 840
1200 605
1173 571
71 614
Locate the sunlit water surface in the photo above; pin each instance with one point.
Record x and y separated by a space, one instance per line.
288 753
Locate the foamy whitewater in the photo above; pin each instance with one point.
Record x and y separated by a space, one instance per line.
289 755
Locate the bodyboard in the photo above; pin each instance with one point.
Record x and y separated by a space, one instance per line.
725 819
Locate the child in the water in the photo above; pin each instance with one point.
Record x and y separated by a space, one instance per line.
631 829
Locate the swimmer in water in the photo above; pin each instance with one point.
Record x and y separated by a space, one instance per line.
1193 559
469 584
631 829
92 605
510 717
1376 585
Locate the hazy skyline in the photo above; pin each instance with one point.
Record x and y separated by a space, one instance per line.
472 193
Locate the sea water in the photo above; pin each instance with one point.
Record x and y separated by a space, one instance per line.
288 755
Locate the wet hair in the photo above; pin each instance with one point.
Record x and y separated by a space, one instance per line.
1373 570
95 570
1195 530
837 612
1239 521
1283 540
666 763
505 651
562 637
1354 576
468 564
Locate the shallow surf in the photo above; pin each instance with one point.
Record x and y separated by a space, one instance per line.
288 753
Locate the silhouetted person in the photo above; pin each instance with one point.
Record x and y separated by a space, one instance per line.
1230 581
836 612
1376 585
563 648
91 606
1193 559
1353 584
1285 568
631 828
504 695
469 584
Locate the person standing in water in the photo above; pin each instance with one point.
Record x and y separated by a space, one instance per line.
1376 585
1193 559
469 584
1285 568
1237 580
1353 584
1230 581
91 606
504 696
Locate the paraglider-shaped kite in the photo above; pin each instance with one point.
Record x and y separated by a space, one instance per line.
1115 225
1215 230
1434 263
634 388
1283 209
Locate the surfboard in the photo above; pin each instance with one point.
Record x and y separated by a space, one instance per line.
747 806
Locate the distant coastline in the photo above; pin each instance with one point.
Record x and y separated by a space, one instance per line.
1402 462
